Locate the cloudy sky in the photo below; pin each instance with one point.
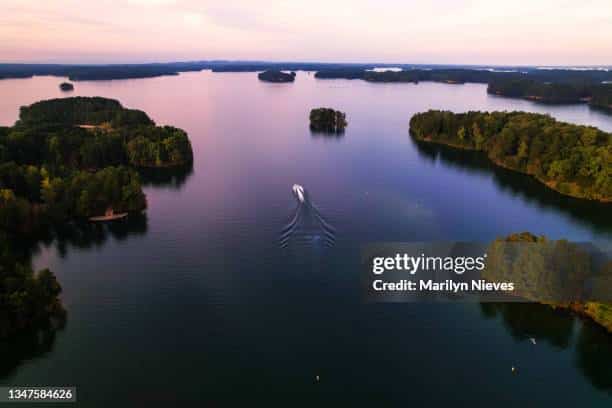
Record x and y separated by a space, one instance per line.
543 32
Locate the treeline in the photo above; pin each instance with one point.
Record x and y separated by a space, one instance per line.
74 157
97 72
571 159
558 273
545 86
128 71
449 75
28 300
601 97
461 75
596 94
276 76
80 111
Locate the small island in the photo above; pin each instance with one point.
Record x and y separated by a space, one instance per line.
66 86
327 120
570 159
276 76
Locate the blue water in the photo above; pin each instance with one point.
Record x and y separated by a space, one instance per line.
205 301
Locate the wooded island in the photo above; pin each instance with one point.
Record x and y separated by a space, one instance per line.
327 120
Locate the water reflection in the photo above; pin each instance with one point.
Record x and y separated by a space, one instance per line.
596 215
592 347
531 320
84 235
593 356
174 178
28 346
316 134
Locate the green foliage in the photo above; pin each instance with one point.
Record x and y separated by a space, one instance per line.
81 110
53 168
67 157
159 147
542 270
27 299
327 120
85 194
574 160
555 273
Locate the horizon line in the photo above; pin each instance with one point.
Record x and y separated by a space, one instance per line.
263 61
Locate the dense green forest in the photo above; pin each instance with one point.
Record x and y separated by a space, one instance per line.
558 273
69 158
327 120
74 157
571 159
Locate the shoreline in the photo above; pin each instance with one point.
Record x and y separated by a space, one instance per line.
550 185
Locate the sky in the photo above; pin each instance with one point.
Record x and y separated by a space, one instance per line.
517 32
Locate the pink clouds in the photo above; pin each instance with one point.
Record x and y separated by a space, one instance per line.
435 31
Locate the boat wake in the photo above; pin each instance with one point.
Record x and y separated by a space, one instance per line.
307 227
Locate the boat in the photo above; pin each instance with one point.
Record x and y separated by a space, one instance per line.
109 215
299 192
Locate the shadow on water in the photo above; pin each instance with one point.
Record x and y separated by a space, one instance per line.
317 134
596 215
81 235
27 346
593 356
40 339
592 345
174 177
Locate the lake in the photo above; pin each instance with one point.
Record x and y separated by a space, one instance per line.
205 301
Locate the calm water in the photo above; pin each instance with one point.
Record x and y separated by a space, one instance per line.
207 300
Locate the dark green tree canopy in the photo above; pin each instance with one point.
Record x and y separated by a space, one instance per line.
571 159
76 157
327 120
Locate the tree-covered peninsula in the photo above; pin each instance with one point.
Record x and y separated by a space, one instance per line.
65 159
559 273
77 157
571 159
327 120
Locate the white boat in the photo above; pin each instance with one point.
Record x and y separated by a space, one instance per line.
299 192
